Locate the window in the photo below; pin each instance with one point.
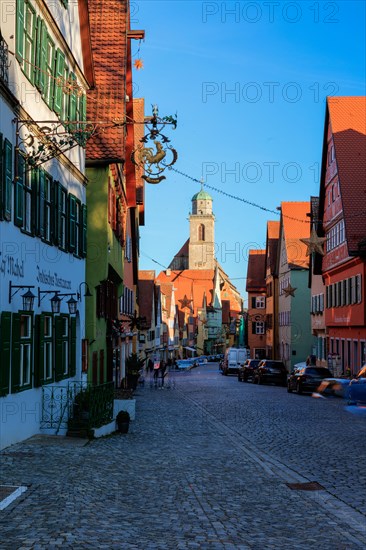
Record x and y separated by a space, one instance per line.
358 289
72 223
47 347
61 215
65 345
128 249
25 349
49 64
6 178
61 347
201 232
26 38
48 187
260 302
259 327
335 236
78 228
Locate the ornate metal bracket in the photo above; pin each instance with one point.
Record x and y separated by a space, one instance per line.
41 141
155 161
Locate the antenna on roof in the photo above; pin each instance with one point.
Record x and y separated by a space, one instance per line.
202 183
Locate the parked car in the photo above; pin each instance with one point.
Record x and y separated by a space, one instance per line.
185 363
307 379
269 371
234 358
357 388
334 386
247 369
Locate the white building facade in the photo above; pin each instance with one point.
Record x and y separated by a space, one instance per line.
42 213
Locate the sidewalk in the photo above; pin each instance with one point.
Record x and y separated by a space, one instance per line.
177 480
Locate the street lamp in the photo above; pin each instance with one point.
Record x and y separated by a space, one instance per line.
87 294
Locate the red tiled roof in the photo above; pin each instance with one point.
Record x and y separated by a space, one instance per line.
296 226
146 275
192 283
106 102
256 271
167 290
348 123
273 233
273 229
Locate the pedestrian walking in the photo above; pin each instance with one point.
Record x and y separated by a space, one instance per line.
156 373
163 367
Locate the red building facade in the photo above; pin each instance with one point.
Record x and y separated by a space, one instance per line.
342 195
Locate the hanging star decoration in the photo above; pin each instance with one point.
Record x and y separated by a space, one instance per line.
185 302
137 321
314 244
289 291
138 64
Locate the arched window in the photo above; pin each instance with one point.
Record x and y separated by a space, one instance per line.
201 232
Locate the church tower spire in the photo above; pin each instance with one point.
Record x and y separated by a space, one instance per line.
201 232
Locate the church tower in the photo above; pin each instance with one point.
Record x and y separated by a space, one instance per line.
201 232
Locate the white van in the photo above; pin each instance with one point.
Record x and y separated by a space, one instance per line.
234 358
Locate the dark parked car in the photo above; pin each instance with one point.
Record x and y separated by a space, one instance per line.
307 379
269 371
246 371
357 388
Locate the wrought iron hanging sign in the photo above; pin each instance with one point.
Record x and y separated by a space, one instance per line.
160 156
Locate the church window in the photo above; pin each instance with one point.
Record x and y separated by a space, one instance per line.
201 232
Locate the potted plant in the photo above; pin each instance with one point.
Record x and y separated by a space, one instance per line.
123 421
133 366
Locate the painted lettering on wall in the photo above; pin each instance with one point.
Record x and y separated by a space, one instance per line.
11 266
52 279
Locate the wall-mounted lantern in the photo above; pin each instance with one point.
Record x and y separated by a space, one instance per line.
87 294
28 297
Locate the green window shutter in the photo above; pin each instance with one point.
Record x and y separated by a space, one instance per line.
38 47
73 348
20 30
43 58
5 342
8 179
58 348
83 230
41 191
72 222
57 214
39 352
72 105
34 205
15 353
1 176
83 109
59 74
19 192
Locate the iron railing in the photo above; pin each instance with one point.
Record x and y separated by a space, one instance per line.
4 61
77 401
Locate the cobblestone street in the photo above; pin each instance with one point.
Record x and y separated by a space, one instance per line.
205 465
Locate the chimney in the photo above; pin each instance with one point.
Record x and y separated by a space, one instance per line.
168 272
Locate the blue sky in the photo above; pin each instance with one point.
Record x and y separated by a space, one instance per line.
248 81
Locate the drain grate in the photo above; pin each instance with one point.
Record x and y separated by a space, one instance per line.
307 486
